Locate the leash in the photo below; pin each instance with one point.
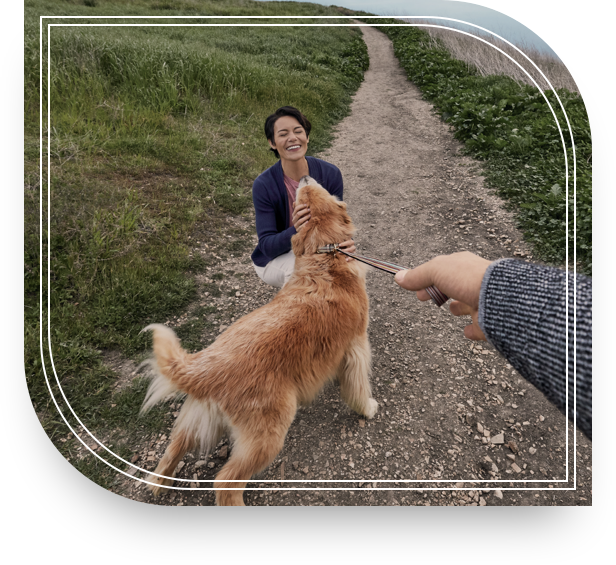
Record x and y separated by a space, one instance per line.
435 294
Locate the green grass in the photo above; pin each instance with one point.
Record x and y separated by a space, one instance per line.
510 128
156 138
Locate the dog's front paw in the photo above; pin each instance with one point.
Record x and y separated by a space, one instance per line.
159 484
371 408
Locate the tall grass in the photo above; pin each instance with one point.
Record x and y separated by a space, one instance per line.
488 61
156 135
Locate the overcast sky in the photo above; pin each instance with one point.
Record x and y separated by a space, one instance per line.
492 20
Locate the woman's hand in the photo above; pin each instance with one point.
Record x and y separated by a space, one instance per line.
301 214
349 247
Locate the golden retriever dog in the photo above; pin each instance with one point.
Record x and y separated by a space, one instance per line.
250 381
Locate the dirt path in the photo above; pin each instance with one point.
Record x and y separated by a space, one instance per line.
412 196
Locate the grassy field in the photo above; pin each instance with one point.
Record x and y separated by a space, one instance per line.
156 134
507 125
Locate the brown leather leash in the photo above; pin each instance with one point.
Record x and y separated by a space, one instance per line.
435 294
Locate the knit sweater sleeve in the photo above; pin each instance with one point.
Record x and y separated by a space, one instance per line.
522 312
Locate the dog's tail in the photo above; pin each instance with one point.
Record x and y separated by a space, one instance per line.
168 365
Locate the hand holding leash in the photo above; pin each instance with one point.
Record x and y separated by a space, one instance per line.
460 276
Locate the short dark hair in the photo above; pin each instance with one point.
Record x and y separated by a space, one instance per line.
284 111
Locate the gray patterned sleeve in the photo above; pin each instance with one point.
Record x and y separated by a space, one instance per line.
522 313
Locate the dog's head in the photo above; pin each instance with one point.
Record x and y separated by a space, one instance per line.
328 223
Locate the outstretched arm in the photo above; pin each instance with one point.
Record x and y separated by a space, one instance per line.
527 312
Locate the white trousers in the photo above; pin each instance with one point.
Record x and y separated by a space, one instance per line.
278 271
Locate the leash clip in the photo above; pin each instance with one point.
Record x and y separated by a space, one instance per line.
329 248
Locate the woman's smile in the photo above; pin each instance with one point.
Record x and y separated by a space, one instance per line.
290 138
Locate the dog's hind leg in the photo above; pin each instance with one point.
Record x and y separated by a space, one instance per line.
199 424
249 456
181 442
353 375
253 450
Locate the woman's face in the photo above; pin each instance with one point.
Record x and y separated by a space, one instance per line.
290 139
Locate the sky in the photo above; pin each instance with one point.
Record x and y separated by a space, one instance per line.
492 20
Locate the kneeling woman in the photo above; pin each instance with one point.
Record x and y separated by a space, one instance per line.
273 193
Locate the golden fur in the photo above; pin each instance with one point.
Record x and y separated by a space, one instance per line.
252 378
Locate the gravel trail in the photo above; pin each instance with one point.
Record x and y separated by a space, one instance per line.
450 409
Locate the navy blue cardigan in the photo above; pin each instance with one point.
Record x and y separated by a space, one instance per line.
271 202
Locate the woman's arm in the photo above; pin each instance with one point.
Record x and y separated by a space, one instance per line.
337 185
272 242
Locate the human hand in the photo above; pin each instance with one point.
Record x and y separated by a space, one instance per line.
459 276
301 214
349 247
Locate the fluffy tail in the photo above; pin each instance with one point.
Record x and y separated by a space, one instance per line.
168 364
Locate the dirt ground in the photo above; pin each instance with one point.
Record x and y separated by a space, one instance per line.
443 400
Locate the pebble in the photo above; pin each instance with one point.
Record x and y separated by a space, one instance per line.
498 438
532 450
515 467
513 446
223 452
511 456
479 428
541 418
498 493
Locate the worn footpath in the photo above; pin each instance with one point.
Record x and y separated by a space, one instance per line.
456 424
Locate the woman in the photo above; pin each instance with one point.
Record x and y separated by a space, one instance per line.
273 193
